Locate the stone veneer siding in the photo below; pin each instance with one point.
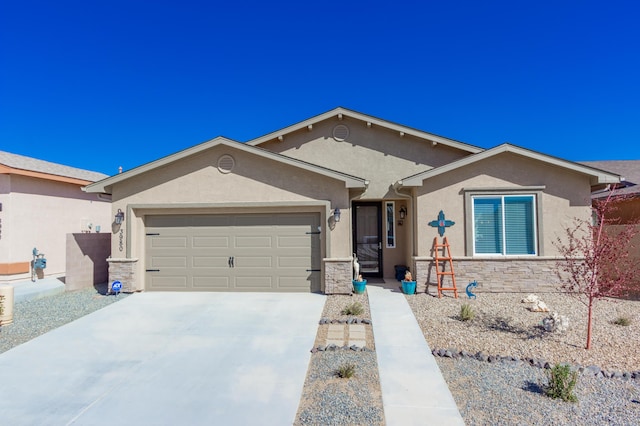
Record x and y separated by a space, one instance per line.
123 270
337 276
507 275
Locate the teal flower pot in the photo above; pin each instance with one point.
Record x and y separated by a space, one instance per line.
359 286
409 287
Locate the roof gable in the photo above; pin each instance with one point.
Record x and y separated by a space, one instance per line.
370 121
597 176
106 185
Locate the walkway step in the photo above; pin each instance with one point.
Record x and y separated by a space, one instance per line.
413 389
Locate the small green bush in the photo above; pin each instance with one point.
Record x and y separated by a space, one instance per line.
562 381
466 312
346 371
622 321
353 309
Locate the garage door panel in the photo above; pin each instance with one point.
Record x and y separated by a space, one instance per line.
253 242
207 283
210 262
169 242
211 242
271 252
169 262
253 262
169 283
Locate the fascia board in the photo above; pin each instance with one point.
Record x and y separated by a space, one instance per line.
367 119
596 176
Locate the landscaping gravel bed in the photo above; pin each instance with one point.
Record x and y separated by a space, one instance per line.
510 393
32 318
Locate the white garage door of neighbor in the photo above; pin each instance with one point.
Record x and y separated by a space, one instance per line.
247 252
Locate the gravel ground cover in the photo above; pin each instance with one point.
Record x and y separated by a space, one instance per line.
32 318
511 392
329 400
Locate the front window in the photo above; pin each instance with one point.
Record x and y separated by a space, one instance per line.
504 225
391 226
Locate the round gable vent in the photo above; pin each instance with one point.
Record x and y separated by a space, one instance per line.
340 132
226 163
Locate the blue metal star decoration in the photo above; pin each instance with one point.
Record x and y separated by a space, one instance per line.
441 223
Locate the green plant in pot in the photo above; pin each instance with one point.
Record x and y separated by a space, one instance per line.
359 285
408 284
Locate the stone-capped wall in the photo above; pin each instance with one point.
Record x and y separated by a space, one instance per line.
493 275
123 270
337 276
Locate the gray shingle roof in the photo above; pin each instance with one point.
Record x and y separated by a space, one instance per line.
21 162
628 169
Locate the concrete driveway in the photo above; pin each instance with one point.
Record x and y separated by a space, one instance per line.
167 358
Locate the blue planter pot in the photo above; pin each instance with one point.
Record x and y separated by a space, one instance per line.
409 287
359 286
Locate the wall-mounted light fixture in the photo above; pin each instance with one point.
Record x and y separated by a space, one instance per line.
119 217
336 214
403 212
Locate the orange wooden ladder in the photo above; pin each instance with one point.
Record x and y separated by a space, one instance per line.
442 258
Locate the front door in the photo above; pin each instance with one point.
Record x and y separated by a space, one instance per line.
367 237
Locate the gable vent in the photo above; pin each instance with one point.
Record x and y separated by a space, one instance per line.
340 132
226 163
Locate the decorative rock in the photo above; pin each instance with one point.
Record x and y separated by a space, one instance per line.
448 354
366 321
532 298
481 356
322 348
555 322
539 306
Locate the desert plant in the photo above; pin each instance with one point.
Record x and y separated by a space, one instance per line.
354 308
346 371
622 321
562 381
596 264
466 312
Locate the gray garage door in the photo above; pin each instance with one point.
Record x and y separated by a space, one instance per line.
248 252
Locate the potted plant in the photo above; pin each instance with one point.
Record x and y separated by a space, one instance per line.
359 285
408 285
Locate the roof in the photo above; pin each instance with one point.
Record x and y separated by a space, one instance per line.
105 185
629 170
341 112
20 164
597 176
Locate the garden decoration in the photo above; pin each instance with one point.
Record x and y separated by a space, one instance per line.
408 285
471 285
441 223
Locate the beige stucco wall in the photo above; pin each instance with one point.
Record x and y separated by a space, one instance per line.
566 195
374 153
40 213
256 184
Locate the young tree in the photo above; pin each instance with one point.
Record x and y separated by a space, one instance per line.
596 261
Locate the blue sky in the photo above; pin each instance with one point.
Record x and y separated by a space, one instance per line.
98 85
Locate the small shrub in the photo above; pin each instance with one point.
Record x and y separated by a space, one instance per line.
466 312
622 321
562 381
346 371
353 309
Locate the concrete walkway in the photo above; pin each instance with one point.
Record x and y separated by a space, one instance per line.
413 389
28 290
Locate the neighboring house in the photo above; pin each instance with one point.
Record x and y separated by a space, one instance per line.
263 215
627 192
40 203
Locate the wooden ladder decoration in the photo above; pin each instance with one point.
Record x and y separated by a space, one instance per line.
442 258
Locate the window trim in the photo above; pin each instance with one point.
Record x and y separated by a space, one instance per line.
534 191
390 219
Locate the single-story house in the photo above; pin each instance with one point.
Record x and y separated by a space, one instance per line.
40 203
289 210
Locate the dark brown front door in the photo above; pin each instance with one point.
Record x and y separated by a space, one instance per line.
367 237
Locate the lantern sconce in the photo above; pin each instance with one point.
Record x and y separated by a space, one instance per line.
403 212
119 217
336 215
